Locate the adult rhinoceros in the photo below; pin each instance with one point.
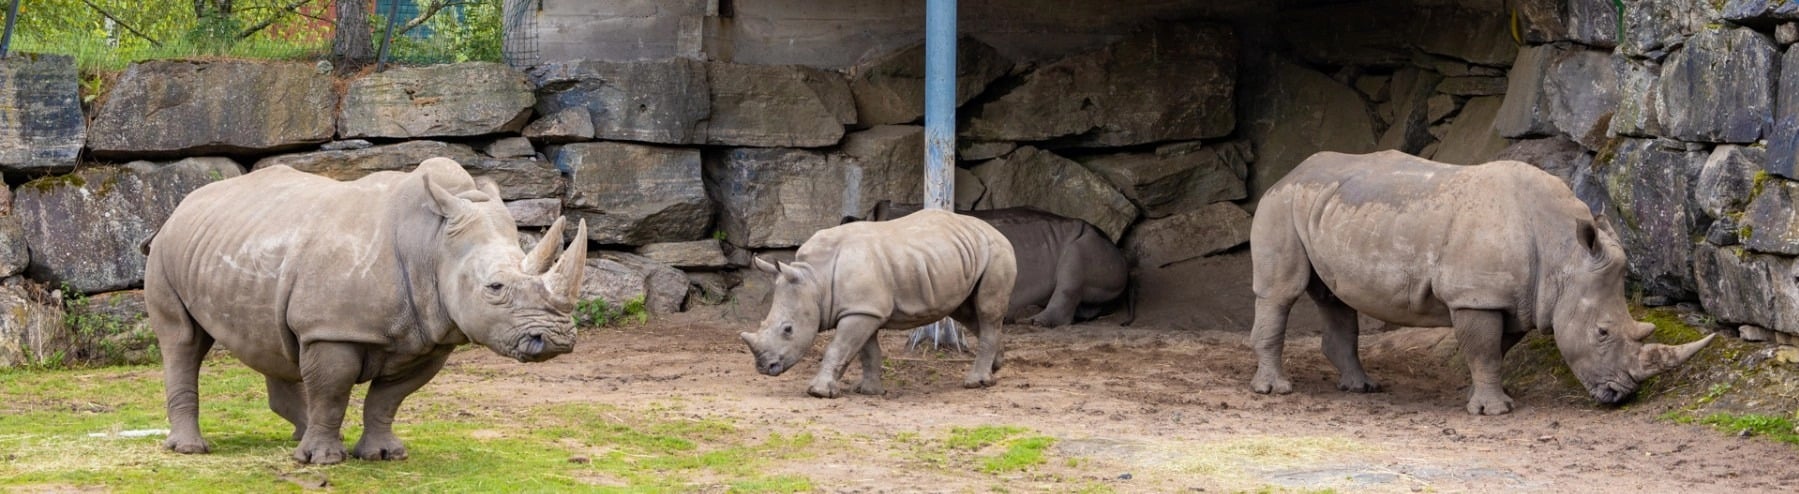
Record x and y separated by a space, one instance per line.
1493 249
320 285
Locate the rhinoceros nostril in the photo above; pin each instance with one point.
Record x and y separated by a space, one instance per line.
533 344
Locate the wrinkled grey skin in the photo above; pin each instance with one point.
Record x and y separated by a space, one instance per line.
319 285
1494 250
1065 265
861 277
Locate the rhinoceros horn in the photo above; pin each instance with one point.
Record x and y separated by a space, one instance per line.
1656 358
564 279
538 261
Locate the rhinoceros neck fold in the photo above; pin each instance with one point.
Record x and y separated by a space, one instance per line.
416 249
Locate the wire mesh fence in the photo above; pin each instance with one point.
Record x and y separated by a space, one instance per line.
518 30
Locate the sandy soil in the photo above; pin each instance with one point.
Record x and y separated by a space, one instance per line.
1163 406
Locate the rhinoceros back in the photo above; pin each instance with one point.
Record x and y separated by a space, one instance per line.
905 269
277 257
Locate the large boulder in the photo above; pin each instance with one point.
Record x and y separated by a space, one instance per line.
776 106
636 194
1476 37
465 99
167 108
15 252
884 163
1719 87
110 328
535 212
1559 156
1295 112
1582 89
1178 177
890 89
85 228
619 278
1738 286
1651 28
31 326
1526 112
1202 232
1783 141
1043 180
1167 82
1411 91
572 124
518 178
1772 221
773 197
1649 186
1471 138
697 254
1594 22
648 101
1635 115
1727 179
45 128
1745 11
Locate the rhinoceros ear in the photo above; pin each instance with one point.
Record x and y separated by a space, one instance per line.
442 201
489 187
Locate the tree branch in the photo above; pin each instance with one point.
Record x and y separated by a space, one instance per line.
273 18
123 24
427 11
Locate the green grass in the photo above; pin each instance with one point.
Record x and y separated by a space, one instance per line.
46 418
1772 427
1020 455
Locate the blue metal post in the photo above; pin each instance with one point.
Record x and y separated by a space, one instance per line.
940 135
940 104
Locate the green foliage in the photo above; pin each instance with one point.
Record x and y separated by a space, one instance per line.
104 338
979 437
595 312
1020 452
465 33
1772 427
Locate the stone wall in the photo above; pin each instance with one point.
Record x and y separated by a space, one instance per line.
1161 133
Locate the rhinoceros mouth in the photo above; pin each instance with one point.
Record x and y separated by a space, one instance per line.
1611 392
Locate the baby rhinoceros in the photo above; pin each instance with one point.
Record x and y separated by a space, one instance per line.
320 285
1493 249
865 276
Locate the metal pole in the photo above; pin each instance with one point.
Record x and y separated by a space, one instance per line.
940 135
393 12
940 104
12 17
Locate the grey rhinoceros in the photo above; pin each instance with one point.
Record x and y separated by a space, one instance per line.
1493 249
865 276
320 285
1065 266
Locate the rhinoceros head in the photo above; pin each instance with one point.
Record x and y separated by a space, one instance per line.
1593 327
793 321
516 304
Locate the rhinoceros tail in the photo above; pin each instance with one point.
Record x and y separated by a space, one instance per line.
144 247
1131 288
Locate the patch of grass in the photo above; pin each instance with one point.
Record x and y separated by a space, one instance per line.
1772 427
1020 455
456 443
597 313
966 438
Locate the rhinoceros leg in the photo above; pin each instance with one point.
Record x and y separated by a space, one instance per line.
286 399
989 303
385 394
1480 333
1269 337
1341 333
1065 298
853 332
871 368
327 370
183 346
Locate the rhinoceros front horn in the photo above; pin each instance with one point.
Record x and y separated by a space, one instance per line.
1657 358
564 279
538 260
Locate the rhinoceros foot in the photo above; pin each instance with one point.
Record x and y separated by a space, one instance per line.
983 381
378 449
826 389
872 388
1358 385
1489 403
187 446
317 451
1267 382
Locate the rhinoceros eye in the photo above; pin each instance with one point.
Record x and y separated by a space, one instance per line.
1603 333
787 330
495 287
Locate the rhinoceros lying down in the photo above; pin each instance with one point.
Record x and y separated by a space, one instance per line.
319 285
1065 265
1494 250
865 276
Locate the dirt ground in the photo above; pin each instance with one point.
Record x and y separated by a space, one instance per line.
1163 406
